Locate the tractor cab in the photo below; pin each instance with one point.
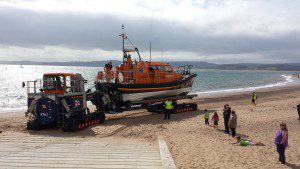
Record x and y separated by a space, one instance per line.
59 99
61 83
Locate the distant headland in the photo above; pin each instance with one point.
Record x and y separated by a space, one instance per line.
196 64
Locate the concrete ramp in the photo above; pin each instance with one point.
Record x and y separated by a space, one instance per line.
28 151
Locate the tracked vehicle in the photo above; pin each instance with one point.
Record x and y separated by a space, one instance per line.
59 100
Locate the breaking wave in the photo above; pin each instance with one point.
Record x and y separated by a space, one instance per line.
288 80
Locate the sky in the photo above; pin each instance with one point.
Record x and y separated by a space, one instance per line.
217 31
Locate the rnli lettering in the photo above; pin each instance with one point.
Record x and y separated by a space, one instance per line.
44 114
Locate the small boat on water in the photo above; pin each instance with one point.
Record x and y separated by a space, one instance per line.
135 81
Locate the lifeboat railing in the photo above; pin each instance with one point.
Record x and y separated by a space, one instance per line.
73 86
34 86
184 70
129 78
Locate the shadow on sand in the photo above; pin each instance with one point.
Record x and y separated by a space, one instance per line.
131 120
126 121
293 166
153 119
237 134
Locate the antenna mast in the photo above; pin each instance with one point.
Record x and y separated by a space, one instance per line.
151 37
123 43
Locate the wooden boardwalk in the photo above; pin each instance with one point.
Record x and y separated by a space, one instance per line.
30 151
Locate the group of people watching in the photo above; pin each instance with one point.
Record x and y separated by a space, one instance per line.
229 123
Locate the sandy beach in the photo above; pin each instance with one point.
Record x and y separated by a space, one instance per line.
191 142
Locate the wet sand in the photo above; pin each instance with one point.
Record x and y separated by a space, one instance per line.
192 143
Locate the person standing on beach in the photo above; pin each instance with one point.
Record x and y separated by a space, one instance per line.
254 98
226 116
168 109
298 109
215 119
206 117
233 123
281 141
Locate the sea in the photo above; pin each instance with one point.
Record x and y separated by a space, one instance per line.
208 82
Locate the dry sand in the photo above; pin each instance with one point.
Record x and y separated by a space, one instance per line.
194 145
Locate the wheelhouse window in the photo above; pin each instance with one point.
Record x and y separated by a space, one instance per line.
53 82
168 69
161 68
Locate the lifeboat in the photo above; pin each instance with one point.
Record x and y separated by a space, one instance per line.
135 81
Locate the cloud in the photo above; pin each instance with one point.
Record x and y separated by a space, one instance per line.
197 30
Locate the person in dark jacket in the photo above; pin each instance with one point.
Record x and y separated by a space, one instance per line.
226 116
298 109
